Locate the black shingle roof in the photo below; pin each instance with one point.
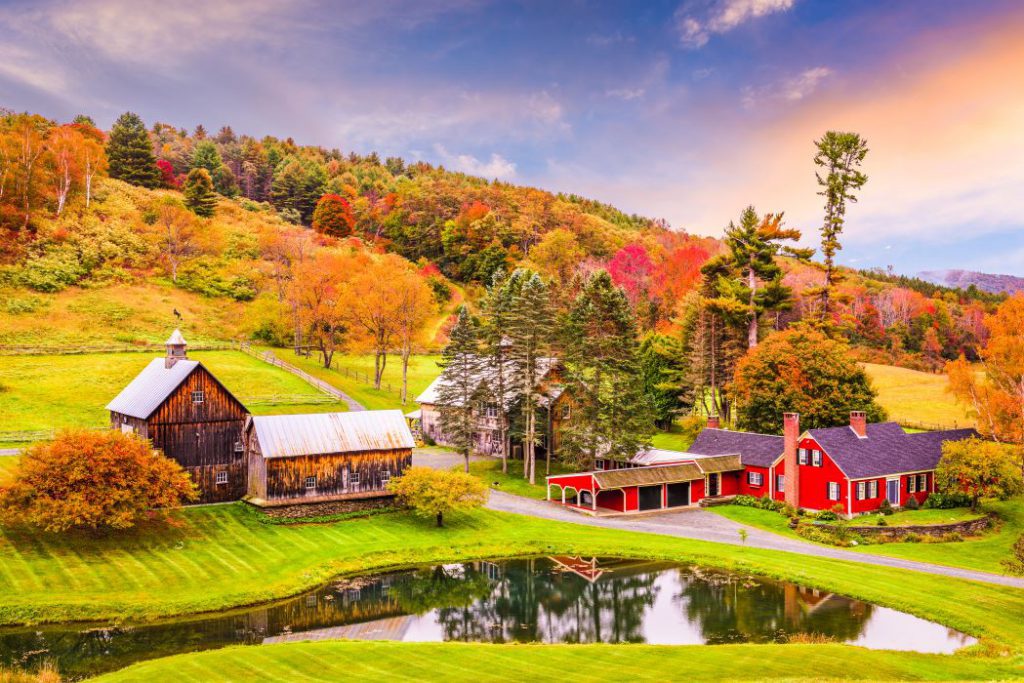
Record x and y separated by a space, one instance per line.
759 450
887 449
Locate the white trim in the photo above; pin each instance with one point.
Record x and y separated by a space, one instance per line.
893 474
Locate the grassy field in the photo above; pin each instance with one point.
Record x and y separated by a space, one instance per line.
358 381
917 398
222 556
672 441
391 661
7 465
44 392
513 481
984 554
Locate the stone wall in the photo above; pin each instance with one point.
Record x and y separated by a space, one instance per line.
971 527
301 510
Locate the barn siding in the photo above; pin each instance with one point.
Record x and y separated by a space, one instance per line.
201 437
286 477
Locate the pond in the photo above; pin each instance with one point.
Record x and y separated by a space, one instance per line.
543 599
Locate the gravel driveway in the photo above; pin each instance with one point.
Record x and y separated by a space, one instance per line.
703 525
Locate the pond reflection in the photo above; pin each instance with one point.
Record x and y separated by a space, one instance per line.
552 600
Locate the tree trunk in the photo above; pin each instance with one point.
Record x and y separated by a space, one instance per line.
439 519
466 455
752 326
405 374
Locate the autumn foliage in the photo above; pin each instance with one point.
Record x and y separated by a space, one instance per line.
333 216
435 493
979 469
93 480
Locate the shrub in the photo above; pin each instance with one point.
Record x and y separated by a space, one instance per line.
946 501
827 516
1015 565
912 538
912 503
881 521
981 469
788 510
22 306
886 507
953 537
93 480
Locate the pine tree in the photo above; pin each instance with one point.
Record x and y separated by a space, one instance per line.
612 417
130 153
494 333
841 155
460 389
531 330
747 279
199 195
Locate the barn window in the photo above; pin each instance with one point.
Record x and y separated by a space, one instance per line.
816 458
197 396
385 476
311 482
238 447
353 478
222 477
833 490
755 478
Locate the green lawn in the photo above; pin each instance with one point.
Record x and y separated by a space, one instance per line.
923 517
392 661
513 481
44 392
672 441
358 381
917 398
983 554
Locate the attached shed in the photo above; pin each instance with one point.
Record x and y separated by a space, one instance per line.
188 414
326 457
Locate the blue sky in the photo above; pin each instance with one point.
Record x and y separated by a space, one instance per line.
685 110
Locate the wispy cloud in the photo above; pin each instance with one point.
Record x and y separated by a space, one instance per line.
698 20
789 89
496 167
609 39
625 93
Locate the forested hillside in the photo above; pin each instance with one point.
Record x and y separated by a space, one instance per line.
116 235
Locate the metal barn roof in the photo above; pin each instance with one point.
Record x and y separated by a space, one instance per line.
283 436
151 387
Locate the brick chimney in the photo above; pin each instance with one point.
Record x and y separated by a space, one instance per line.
713 422
175 349
790 437
859 423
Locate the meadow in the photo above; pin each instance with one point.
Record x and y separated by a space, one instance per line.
54 392
918 399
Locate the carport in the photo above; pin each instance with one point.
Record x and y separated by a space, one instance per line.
638 489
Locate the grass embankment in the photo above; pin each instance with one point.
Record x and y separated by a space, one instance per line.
391 661
358 381
983 554
223 556
7 465
513 481
44 392
917 398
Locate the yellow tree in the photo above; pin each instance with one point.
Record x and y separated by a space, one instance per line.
67 149
319 290
177 235
414 307
27 149
996 396
373 305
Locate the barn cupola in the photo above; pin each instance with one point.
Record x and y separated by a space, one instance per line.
175 349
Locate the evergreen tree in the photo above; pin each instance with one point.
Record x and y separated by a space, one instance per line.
611 417
298 184
665 377
130 154
199 195
460 387
841 155
494 334
84 120
747 278
531 329
205 155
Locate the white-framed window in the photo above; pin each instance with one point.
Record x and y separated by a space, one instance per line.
862 490
311 482
239 447
912 483
599 464
833 490
780 482
802 456
353 478
755 478
922 482
816 458
873 489
197 396
222 477
491 409
385 476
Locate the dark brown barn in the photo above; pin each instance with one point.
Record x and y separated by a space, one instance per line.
326 457
181 407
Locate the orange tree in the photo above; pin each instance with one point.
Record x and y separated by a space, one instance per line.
997 395
333 216
93 480
802 371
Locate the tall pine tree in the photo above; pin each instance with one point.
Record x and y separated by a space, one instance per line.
494 333
612 417
130 154
460 386
199 195
531 330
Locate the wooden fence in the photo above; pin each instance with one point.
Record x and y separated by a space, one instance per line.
269 357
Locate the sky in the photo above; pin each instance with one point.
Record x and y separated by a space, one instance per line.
687 110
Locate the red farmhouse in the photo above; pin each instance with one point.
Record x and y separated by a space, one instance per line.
856 467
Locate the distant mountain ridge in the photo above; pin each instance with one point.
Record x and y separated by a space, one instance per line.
988 282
